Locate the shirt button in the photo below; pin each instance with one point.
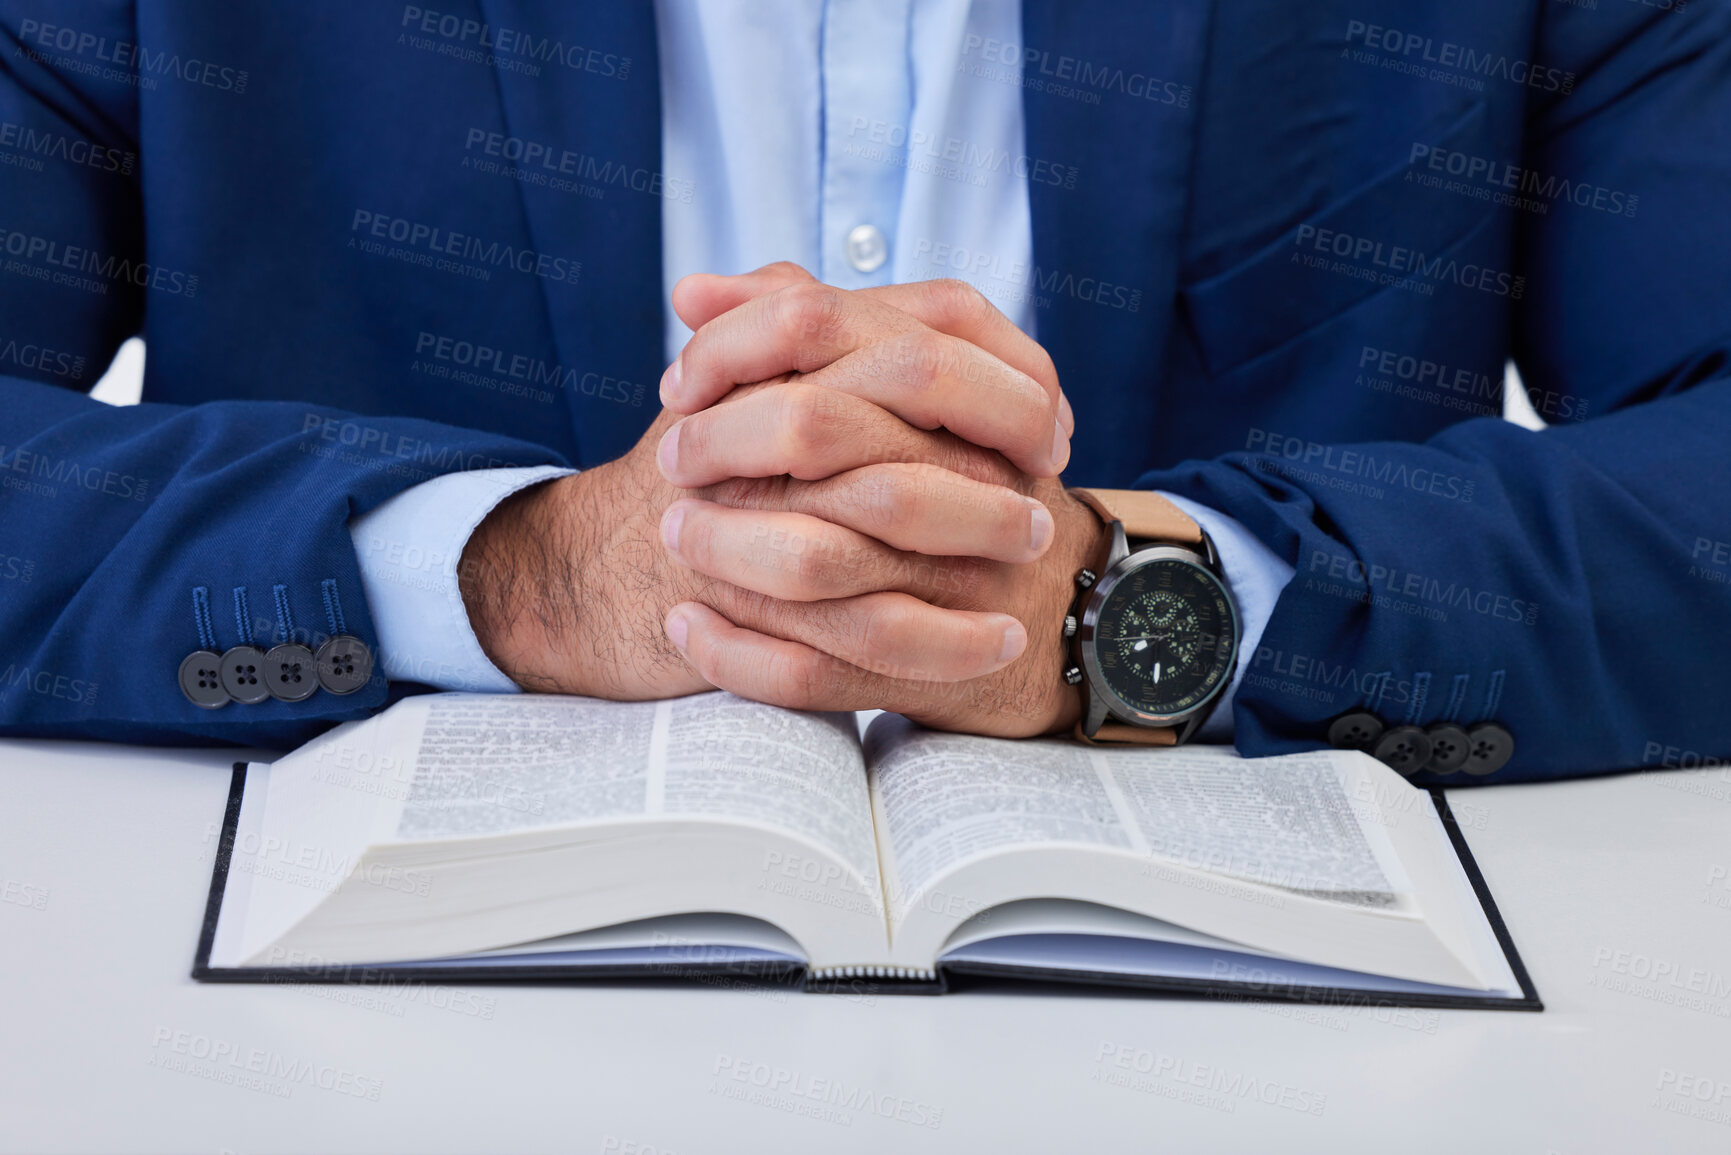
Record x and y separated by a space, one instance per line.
866 248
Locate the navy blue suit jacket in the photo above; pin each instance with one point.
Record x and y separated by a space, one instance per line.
1303 239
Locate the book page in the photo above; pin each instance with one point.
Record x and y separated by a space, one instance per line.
493 763
1282 821
728 757
945 798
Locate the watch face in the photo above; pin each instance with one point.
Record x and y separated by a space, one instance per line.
1164 637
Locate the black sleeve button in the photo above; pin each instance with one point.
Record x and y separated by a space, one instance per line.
343 664
1404 748
201 679
242 673
1492 747
1448 748
288 673
1358 730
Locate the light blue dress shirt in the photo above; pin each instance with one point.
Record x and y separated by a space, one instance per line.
837 134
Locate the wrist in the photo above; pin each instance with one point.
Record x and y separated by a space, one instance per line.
567 584
1082 543
519 579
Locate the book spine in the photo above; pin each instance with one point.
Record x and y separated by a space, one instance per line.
910 974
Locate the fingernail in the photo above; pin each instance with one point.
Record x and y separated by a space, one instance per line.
671 380
670 522
1040 527
1066 416
667 453
677 627
1060 447
1015 641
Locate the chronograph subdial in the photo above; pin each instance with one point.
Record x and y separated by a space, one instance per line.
1159 634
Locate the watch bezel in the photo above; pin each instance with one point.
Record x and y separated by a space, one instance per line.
1116 572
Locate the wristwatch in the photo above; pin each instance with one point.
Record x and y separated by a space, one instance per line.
1154 631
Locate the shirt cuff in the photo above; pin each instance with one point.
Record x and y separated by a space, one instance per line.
409 548
1256 575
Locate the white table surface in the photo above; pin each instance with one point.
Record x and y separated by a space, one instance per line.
105 858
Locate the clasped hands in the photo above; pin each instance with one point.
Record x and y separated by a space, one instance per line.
875 522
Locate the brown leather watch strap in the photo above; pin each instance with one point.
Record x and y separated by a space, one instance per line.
1145 514
1118 732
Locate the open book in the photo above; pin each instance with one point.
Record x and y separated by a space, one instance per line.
470 836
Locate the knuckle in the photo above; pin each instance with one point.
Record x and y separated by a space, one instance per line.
926 357
957 300
812 421
815 567
883 498
1045 368
797 680
879 630
813 313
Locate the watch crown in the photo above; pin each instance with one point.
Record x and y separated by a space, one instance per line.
1069 625
1072 675
1087 578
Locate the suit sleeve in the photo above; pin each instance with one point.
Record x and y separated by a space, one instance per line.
1578 590
130 537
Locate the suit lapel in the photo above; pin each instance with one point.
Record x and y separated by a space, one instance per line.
586 80
1111 88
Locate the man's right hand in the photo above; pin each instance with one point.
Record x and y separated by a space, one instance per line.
568 583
